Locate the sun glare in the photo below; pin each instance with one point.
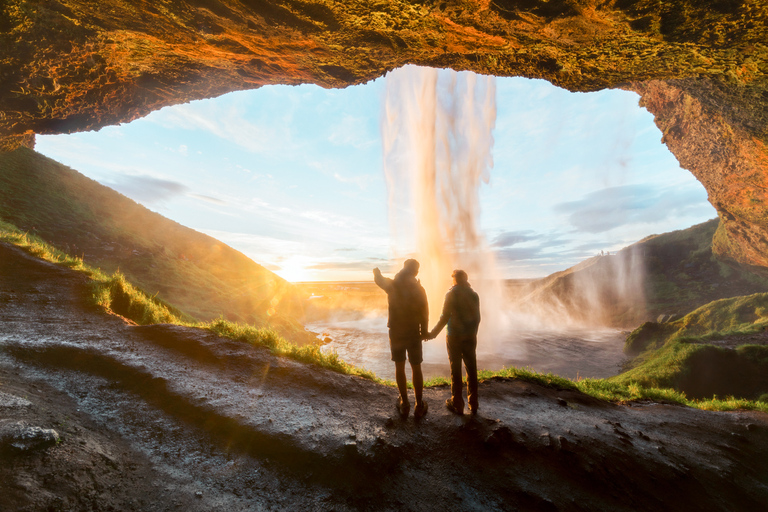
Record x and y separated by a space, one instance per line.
295 269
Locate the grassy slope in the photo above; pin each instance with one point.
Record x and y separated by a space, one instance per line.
200 275
679 354
113 293
680 273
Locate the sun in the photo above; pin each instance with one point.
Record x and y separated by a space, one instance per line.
295 270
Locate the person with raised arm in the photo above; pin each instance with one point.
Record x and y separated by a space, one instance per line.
408 323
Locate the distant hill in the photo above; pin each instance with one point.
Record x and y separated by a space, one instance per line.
196 273
660 277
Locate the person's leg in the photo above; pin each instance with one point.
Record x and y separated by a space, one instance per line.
418 382
415 357
469 354
454 357
402 381
398 357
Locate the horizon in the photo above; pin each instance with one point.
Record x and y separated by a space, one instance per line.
292 176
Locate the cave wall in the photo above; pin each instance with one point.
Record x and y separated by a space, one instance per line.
700 66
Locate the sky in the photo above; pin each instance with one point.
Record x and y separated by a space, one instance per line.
292 176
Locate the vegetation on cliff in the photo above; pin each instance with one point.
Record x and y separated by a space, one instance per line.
719 319
718 349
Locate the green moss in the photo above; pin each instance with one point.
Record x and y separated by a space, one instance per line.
662 368
649 335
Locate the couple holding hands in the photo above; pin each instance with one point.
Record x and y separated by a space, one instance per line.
408 327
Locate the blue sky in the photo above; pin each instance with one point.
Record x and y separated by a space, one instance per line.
292 176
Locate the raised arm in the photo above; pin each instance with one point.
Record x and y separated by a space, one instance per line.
384 283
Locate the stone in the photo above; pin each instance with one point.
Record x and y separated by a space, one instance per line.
24 437
12 401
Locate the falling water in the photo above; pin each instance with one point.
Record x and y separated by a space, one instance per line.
437 135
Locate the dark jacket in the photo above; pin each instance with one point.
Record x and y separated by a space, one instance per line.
408 309
461 311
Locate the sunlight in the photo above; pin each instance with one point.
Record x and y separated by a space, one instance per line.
295 269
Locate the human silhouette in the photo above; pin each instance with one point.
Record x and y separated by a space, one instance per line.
461 312
408 323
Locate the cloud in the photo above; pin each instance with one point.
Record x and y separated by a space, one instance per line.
148 189
362 180
612 207
209 199
534 245
351 131
329 219
519 253
353 265
510 238
228 124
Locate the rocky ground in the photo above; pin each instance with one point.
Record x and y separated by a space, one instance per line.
98 414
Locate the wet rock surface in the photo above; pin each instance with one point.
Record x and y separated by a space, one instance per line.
173 418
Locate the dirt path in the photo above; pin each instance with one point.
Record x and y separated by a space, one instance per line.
171 418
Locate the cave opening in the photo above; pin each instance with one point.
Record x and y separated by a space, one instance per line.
293 177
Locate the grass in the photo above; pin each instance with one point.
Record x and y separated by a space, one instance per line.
114 293
717 320
278 345
39 248
111 292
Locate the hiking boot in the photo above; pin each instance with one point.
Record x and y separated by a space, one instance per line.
456 410
403 407
473 410
421 409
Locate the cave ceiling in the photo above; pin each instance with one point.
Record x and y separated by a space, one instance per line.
699 66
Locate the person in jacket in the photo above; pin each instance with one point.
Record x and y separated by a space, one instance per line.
408 324
461 313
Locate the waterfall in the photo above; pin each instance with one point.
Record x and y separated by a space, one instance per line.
437 131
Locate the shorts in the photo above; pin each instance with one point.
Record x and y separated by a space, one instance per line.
399 346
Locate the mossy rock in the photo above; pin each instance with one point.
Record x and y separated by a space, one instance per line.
647 336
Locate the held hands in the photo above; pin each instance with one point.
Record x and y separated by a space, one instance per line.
429 336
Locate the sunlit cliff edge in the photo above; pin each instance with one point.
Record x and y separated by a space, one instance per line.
699 67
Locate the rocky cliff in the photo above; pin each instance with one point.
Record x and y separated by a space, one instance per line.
701 67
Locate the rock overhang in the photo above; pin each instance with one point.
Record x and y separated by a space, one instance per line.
700 67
